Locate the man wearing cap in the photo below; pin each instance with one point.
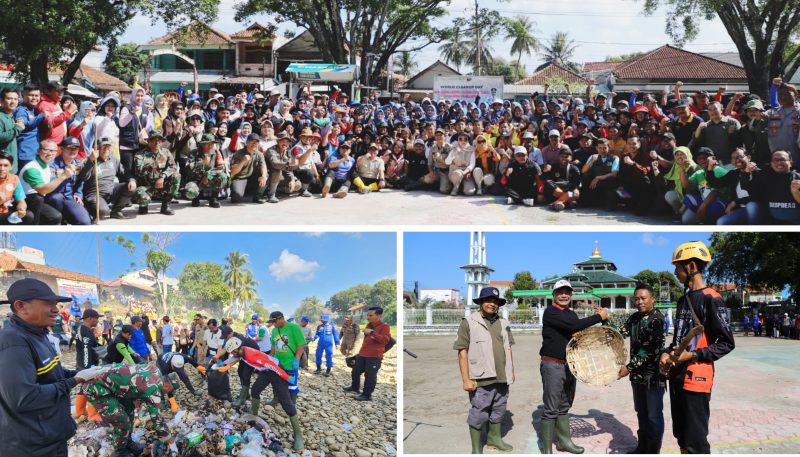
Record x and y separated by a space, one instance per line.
288 345
116 183
692 370
784 119
462 161
304 166
138 341
439 150
86 342
369 171
349 336
248 172
56 116
685 124
561 182
279 160
38 181
521 178
339 171
486 365
156 174
67 198
720 133
559 325
245 372
552 152
34 386
328 336
755 133
119 391
206 170
174 362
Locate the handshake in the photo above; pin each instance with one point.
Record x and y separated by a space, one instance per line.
603 312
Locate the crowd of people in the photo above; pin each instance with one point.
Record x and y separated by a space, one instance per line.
772 326
138 367
672 154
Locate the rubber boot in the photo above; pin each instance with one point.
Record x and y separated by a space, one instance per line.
255 405
213 203
299 444
564 442
327 373
494 440
93 414
653 446
548 425
475 436
319 370
243 394
196 202
80 405
165 209
641 445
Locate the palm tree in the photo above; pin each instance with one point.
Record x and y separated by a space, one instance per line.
405 63
486 50
238 278
560 50
454 51
520 31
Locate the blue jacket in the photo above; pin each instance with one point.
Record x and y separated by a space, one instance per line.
138 343
327 334
35 413
71 186
28 140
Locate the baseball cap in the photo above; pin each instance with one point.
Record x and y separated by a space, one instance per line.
104 141
71 142
275 315
32 289
554 132
562 283
305 319
754 104
254 137
669 136
90 313
520 150
527 136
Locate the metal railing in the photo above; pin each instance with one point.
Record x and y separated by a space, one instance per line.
519 318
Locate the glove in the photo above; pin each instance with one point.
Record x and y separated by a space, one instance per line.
202 370
295 364
223 369
90 373
173 405
191 352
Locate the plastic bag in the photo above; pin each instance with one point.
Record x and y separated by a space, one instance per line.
219 385
177 419
251 449
253 435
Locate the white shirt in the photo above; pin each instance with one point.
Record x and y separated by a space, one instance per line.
214 340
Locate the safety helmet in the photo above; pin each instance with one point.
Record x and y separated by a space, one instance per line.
691 250
177 361
192 190
232 344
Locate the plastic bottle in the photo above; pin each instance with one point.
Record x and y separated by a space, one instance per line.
390 450
347 427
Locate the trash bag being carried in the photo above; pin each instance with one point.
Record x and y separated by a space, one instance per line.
219 385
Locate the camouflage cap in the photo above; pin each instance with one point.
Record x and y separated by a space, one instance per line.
206 138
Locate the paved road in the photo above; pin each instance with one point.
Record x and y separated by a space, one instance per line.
754 406
387 208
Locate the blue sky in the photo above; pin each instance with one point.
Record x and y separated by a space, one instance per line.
433 258
600 27
288 266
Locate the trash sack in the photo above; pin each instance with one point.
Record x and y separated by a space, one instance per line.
219 385
251 449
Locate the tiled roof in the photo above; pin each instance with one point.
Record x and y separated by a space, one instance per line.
501 283
10 263
593 277
600 66
250 32
671 63
213 36
119 282
594 261
102 80
549 72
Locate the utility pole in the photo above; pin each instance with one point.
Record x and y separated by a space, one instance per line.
477 43
97 236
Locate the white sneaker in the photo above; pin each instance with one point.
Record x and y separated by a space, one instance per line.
527 202
509 201
479 192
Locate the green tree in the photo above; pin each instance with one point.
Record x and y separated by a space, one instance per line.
384 294
352 296
520 33
479 28
201 284
454 50
312 307
364 27
767 260
406 63
239 279
760 29
259 308
151 254
656 279
35 35
499 67
560 50
623 57
523 280
125 61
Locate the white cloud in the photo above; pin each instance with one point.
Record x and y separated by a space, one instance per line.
314 234
292 266
652 239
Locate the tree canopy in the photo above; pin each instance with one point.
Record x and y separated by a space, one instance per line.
202 286
655 279
151 254
125 61
312 307
523 280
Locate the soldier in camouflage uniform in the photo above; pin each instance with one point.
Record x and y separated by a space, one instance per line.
646 330
118 392
350 334
156 174
206 171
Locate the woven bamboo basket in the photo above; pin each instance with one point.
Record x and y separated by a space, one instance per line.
596 355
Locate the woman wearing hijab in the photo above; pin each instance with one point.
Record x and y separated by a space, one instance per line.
105 123
82 128
210 112
160 112
684 163
132 127
174 127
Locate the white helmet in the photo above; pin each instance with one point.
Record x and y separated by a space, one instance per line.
232 344
177 361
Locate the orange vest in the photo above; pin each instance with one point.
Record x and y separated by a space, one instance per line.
7 188
699 376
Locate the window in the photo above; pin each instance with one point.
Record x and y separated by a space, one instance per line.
181 64
211 60
256 55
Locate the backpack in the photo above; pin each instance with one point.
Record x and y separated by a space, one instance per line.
390 344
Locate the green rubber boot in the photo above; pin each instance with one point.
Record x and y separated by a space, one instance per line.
255 405
494 440
564 437
243 396
299 444
548 425
475 436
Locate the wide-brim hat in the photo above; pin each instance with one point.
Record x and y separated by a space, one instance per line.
306 132
207 138
489 292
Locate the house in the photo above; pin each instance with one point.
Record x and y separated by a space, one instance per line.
420 85
30 263
734 59
545 74
660 68
87 77
126 291
450 296
300 49
601 73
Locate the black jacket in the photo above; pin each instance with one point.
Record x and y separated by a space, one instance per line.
85 355
557 328
34 393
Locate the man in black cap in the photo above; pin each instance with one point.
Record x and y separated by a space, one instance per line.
288 346
487 368
86 357
244 371
248 172
34 387
559 324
